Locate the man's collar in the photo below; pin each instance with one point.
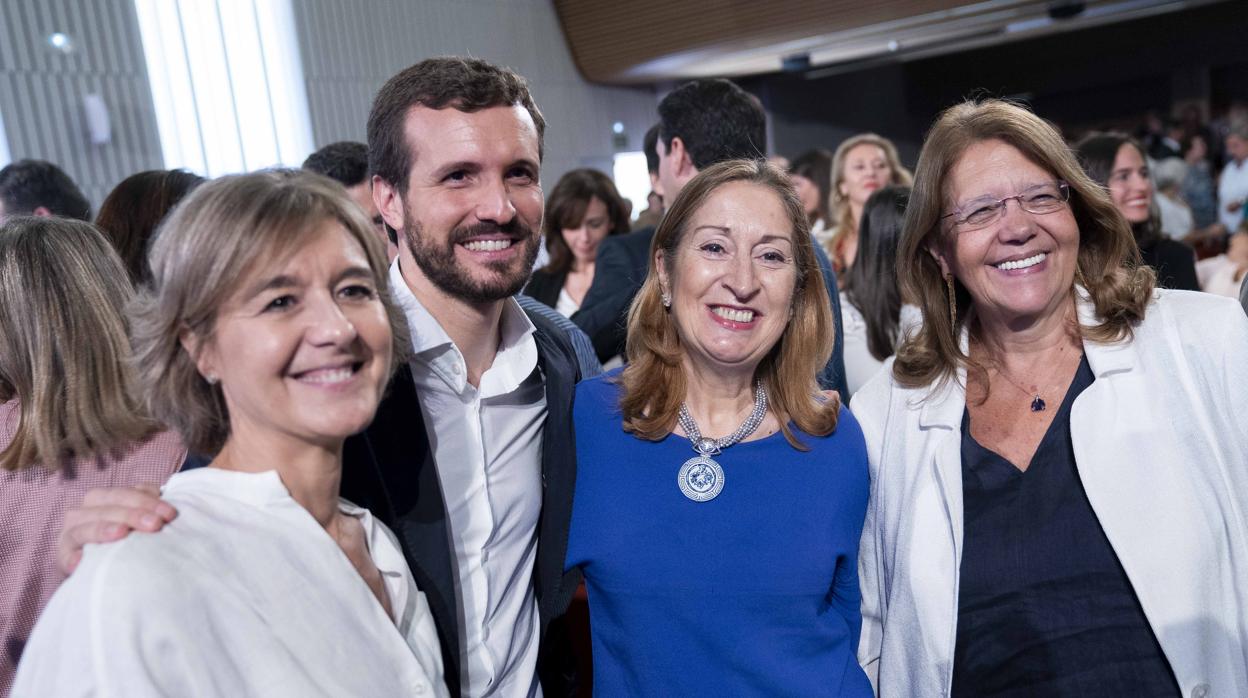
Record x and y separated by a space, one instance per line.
516 331
426 332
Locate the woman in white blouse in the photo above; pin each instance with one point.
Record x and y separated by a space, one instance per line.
1058 454
265 339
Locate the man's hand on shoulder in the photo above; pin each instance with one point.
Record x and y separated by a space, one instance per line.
107 515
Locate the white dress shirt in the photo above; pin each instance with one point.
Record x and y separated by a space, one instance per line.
244 593
1159 441
1232 186
487 444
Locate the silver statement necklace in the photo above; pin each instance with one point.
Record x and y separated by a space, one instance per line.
701 478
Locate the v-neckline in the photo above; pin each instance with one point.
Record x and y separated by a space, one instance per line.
1063 408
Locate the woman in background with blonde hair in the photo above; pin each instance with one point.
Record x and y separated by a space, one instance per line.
69 416
1057 455
861 165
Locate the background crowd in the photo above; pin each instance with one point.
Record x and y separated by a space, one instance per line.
420 324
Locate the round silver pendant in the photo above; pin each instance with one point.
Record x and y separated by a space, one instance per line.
701 479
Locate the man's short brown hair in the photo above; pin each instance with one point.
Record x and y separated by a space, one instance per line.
466 84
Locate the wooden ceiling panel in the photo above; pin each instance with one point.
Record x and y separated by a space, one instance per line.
615 41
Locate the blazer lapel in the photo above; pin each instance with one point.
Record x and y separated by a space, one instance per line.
390 470
942 411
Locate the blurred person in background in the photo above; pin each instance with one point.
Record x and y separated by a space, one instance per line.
70 415
1174 216
862 164
812 178
346 162
39 188
134 209
581 211
1224 274
1117 162
265 340
876 320
699 580
653 212
1057 455
1199 190
1233 181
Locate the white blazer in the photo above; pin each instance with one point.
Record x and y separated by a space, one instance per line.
1161 443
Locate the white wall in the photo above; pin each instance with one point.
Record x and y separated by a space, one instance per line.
350 49
41 90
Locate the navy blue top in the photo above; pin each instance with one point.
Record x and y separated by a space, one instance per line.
1044 606
753 593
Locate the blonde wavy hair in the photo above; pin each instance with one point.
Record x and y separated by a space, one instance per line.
838 204
653 384
1108 262
63 347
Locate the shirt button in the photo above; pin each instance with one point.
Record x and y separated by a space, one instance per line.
457 369
485 556
1200 691
418 688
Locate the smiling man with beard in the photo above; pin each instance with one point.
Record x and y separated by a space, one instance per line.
479 454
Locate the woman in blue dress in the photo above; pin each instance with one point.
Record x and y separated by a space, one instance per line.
720 496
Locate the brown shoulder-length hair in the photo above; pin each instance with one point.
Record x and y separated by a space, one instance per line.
841 215
1107 264
135 207
653 384
566 209
220 236
63 346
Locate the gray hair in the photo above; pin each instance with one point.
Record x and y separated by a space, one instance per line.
1169 172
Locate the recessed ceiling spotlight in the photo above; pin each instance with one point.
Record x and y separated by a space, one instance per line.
617 127
894 45
61 42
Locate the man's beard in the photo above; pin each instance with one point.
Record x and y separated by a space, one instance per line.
437 261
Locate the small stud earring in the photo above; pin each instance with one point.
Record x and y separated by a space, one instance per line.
667 300
212 380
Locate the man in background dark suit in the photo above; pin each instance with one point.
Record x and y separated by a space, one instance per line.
701 123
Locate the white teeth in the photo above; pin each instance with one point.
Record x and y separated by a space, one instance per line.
328 376
1022 263
488 245
734 315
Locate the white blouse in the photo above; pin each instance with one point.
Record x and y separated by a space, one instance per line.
860 364
244 593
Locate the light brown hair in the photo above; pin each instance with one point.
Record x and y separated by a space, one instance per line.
1107 265
63 345
215 240
653 384
841 215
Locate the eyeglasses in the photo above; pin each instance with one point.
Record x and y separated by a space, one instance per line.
983 212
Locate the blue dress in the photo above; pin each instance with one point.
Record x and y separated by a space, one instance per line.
754 593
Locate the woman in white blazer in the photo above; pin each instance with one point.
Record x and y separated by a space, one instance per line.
1059 457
